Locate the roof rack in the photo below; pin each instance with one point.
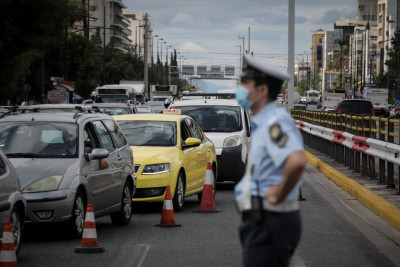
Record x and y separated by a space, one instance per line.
85 109
12 109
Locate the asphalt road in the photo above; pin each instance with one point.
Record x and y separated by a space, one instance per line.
337 231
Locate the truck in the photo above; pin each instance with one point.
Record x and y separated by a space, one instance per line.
330 100
115 93
162 92
139 87
378 98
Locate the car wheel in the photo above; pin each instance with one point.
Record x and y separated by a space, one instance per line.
17 224
124 215
200 195
77 221
179 196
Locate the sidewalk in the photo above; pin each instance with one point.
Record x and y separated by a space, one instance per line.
379 199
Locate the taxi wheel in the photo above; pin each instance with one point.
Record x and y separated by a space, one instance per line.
17 223
124 215
200 195
77 221
179 197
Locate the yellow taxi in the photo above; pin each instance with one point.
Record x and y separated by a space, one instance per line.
170 150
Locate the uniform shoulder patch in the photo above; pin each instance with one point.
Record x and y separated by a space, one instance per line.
277 135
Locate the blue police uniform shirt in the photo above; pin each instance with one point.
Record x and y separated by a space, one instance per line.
274 136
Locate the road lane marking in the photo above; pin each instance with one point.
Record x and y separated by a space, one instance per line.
139 254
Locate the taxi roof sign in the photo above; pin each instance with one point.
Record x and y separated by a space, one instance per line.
172 111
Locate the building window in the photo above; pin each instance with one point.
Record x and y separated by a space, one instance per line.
361 7
380 31
380 19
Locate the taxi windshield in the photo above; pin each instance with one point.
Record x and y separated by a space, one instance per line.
39 139
149 133
214 118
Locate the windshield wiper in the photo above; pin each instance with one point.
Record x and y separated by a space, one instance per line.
23 155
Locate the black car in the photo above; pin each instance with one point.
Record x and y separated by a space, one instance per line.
355 107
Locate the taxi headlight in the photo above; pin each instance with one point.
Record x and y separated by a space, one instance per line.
232 141
156 168
49 183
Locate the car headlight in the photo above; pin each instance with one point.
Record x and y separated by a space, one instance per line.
232 141
49 183
156 168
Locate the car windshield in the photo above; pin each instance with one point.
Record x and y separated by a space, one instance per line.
300 107
115 110
214 118
111 98
356 107
155 103
39 139
144 109
149 133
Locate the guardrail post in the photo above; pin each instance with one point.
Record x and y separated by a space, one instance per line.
382 172
364 156
390 166
371 159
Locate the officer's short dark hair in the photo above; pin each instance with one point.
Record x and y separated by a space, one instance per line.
274 86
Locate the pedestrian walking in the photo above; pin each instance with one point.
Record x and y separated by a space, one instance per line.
267 196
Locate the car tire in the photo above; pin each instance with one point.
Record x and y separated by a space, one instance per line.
77 222
179 196
124 215
200 195
17 224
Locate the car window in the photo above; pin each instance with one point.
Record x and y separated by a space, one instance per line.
3 169
185 132
149 133
115 110
104 136
116 133
194 129
39 139
89 138
214 118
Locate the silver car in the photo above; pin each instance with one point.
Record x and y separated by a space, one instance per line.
12 203
61 160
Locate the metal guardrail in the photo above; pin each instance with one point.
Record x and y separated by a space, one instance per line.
382 134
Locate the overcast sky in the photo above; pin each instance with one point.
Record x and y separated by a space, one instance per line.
206 31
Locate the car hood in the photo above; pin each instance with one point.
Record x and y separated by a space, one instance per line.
218 138
145 155
30 170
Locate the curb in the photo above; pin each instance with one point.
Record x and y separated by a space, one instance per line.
371 200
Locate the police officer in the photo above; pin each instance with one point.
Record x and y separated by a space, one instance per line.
267 195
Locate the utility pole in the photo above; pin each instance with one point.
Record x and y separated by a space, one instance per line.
104 47
290 53
146 58
249 41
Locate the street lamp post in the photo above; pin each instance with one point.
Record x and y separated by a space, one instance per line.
162 71
158 73
152 51
240 57
242 37
136 39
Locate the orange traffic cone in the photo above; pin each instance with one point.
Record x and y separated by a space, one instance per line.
89 243
167 214
207 204
7 255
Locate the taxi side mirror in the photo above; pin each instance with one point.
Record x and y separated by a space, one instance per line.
97 153
191 142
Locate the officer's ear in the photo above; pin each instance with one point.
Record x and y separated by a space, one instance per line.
263 89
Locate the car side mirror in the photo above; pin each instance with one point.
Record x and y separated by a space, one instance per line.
97 153
192 142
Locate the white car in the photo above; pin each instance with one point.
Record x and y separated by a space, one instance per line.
227 125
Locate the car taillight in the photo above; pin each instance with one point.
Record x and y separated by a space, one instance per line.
373 111
338 111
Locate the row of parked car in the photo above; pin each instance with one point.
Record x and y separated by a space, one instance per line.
54 161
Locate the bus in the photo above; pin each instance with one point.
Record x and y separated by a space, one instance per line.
115 93
313 97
